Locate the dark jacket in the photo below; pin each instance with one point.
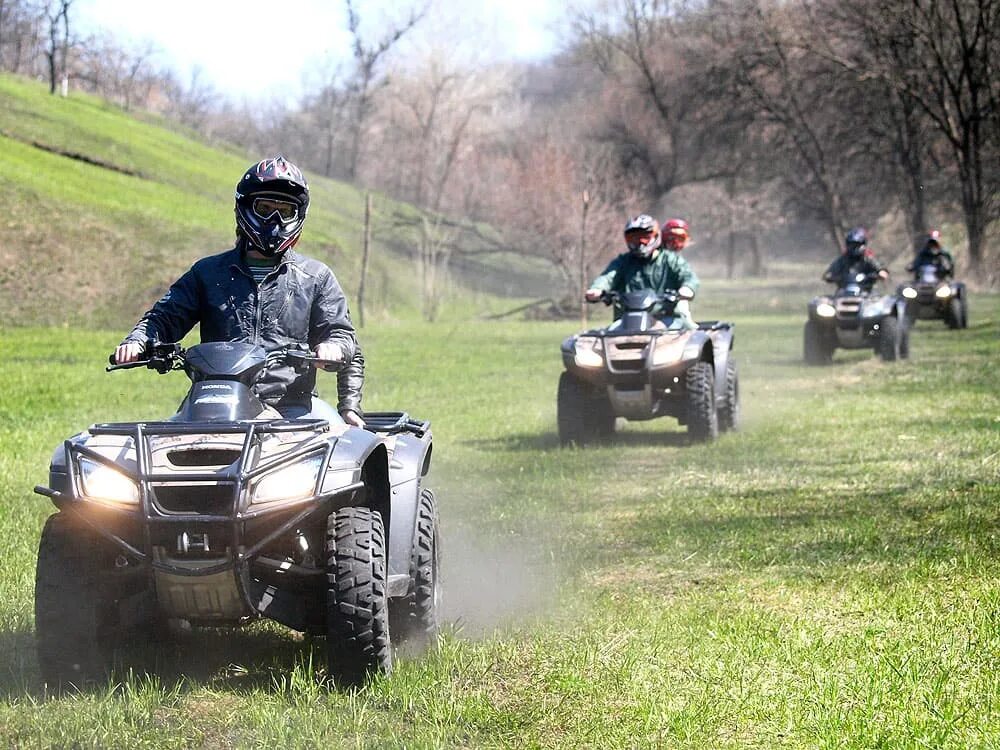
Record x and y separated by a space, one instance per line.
941 260
668 271
844 268
300 301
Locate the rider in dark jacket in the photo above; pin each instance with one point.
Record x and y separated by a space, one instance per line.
263 292
934 254
857 258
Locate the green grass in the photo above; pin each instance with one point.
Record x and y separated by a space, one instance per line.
827 577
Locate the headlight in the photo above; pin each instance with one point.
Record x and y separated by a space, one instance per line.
588 352
293 482
943 291
909 292
668 350
100 482
825 310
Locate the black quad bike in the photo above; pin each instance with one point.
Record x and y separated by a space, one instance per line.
855 318
929 297
225 513
648 364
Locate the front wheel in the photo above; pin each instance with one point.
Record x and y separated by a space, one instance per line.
74 634
890 339
702 417
414 618
954 314
817 347
582 414
729 413
357 623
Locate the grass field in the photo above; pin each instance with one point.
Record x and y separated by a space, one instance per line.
827 577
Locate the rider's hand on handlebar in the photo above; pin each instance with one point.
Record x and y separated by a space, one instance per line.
685 292
592 295
128 351
883 274
330 352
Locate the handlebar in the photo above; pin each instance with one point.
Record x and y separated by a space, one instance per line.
164 357
613 298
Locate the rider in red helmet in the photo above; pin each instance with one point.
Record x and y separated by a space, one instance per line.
675 234
263 292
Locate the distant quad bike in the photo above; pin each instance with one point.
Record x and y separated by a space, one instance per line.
644 365
227 512
855 318
929 297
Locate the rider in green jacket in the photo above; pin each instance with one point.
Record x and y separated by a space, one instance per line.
647 266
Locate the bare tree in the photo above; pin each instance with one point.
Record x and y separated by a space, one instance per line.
366 60
941 58
56 51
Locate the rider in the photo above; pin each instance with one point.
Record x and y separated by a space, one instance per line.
934 254
646 266
857 258
263 292
675 234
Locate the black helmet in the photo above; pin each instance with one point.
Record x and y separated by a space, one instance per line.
271 204
856 242
642 236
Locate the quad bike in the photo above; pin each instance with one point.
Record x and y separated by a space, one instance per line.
648 364
854 318
929 297
226 513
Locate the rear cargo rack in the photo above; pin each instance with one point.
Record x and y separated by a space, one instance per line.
395 422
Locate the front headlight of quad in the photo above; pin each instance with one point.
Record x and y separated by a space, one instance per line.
293 482
588 352
669 350
100 482
909 292
825 310
943 291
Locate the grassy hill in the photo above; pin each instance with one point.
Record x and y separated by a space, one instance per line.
104 210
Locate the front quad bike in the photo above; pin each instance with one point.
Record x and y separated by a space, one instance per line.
854 318
227 512
929 297
648 364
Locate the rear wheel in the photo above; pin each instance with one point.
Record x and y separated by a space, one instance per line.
729 413
582 413
702 417
356 600
414 618
74 602
890 339
817 347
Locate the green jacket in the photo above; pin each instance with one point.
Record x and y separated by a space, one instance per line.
668 271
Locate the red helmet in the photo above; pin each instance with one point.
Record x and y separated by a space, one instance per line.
933 239
675 234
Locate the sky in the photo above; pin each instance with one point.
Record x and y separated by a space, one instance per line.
251 49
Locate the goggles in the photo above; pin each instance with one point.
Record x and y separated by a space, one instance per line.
265 208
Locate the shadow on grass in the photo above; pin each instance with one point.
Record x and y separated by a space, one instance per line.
253 659
547 441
